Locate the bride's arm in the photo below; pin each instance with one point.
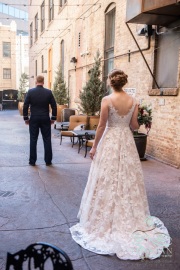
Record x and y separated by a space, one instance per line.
101 126
134 123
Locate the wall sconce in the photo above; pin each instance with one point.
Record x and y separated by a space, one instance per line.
45 71
32 77
74 60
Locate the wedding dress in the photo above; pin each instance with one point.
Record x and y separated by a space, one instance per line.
114 213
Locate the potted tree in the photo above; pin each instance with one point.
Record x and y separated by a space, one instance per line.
24 82
144 118
92 93
60 93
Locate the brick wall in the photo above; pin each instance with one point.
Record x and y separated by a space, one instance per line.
88 20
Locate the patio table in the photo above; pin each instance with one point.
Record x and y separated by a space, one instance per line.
61 125
80 134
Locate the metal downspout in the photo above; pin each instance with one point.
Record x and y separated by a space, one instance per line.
143 56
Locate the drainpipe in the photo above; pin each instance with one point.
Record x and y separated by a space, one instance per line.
143 56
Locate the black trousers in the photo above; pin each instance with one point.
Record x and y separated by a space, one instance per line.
42 123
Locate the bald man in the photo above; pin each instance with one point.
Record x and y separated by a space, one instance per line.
38 100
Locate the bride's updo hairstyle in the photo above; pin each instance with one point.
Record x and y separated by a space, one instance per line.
117 79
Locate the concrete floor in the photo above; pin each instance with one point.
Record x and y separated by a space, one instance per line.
40 203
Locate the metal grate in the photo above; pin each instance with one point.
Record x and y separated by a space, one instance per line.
6 193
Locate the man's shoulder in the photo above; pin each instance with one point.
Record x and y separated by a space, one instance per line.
46 89
42 88
32 89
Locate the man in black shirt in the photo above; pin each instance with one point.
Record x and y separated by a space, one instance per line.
38 100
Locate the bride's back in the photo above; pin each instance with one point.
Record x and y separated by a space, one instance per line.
121 102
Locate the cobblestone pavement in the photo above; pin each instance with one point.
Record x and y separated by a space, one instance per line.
40 203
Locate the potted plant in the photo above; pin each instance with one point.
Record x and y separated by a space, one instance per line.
60 93
144 118
92 94
22 91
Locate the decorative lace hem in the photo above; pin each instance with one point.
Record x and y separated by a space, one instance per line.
137 245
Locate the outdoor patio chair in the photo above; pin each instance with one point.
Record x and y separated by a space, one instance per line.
88 143
75 122
66 113
39 255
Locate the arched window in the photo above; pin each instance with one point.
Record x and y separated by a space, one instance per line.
109 39
62 57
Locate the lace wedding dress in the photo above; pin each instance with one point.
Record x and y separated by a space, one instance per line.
114 213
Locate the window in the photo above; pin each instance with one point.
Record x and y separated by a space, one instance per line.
51 10
36 26
6 49
79 40
62 57
62 2
6 73
109 40
31 34
50 68
36 68
167 58
42 63
42 17
12 11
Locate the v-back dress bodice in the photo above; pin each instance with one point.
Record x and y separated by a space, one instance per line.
117 120
114 213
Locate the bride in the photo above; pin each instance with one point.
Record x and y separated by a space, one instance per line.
114 215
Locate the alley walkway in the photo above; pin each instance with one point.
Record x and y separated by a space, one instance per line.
41 203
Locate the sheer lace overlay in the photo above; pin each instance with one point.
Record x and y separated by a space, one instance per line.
114 213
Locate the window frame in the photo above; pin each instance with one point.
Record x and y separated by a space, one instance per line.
36 67
109 43
51 10
8 50
6 76
31 34
62 2
62 57
43 16
36 26
42 63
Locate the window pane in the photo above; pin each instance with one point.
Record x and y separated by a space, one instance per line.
62 57
22 15
26 16
31 34
6 73
5 9
42 17
17 13
167 59
6 49
36 26
109 44
11 11
110 29
42 63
